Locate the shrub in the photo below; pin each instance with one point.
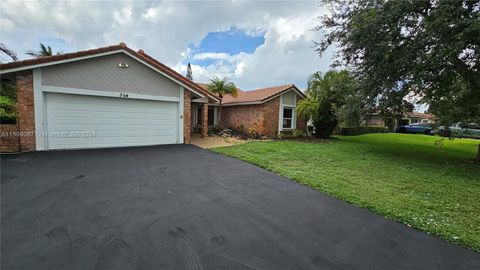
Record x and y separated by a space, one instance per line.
214 130
7 110
294 134
350 131
197 129
246 133
252 132
8 118
326 120
297 133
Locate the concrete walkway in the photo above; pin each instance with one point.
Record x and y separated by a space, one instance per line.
215 141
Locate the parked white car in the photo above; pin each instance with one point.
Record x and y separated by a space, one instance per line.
470 131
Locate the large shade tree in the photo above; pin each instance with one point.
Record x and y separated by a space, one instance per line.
222 87
426 48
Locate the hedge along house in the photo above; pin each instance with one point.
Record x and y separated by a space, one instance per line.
106 97
268 111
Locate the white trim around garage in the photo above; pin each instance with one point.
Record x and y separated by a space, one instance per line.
39 112
40 91
89 92
181 113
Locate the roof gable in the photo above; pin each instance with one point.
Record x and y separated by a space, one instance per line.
420 115
122 47
257 96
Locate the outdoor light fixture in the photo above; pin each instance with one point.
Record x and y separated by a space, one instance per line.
123 65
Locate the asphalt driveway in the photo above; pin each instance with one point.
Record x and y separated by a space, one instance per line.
182 207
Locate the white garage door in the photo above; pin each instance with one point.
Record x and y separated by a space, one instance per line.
77 121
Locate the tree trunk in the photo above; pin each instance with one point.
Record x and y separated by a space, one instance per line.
219 113
477 160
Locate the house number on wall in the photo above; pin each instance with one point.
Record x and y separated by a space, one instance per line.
124 95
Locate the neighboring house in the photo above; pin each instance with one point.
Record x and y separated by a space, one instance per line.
407 119
106 97
115 96
268 111
417 117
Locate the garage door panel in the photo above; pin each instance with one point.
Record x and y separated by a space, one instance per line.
105 122
107 115
160 129
113 121
70 114
107 134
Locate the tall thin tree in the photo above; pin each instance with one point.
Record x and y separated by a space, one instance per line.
189 72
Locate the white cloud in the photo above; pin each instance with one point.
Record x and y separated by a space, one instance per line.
165 30
215 56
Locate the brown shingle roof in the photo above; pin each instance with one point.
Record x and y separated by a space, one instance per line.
420 115
122 46
257 95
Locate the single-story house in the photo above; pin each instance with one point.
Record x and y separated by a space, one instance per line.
268 111
407 119
111 97
417 117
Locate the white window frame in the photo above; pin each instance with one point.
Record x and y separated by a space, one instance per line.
292 123
280 113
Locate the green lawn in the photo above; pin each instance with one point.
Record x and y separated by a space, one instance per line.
401 176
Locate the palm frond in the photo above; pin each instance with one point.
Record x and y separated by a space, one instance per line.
308 107
44 51
222 87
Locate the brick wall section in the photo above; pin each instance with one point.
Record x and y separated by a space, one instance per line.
301 122
375 121
264 118
25 109
187 114
250 116
270 119
9 141
205 120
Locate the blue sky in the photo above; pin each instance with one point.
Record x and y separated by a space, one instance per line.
232 42
253 43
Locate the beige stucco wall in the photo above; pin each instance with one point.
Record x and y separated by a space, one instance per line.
102 73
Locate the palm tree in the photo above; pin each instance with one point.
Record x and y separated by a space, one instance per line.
44 51
8 52
222 87
319 105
